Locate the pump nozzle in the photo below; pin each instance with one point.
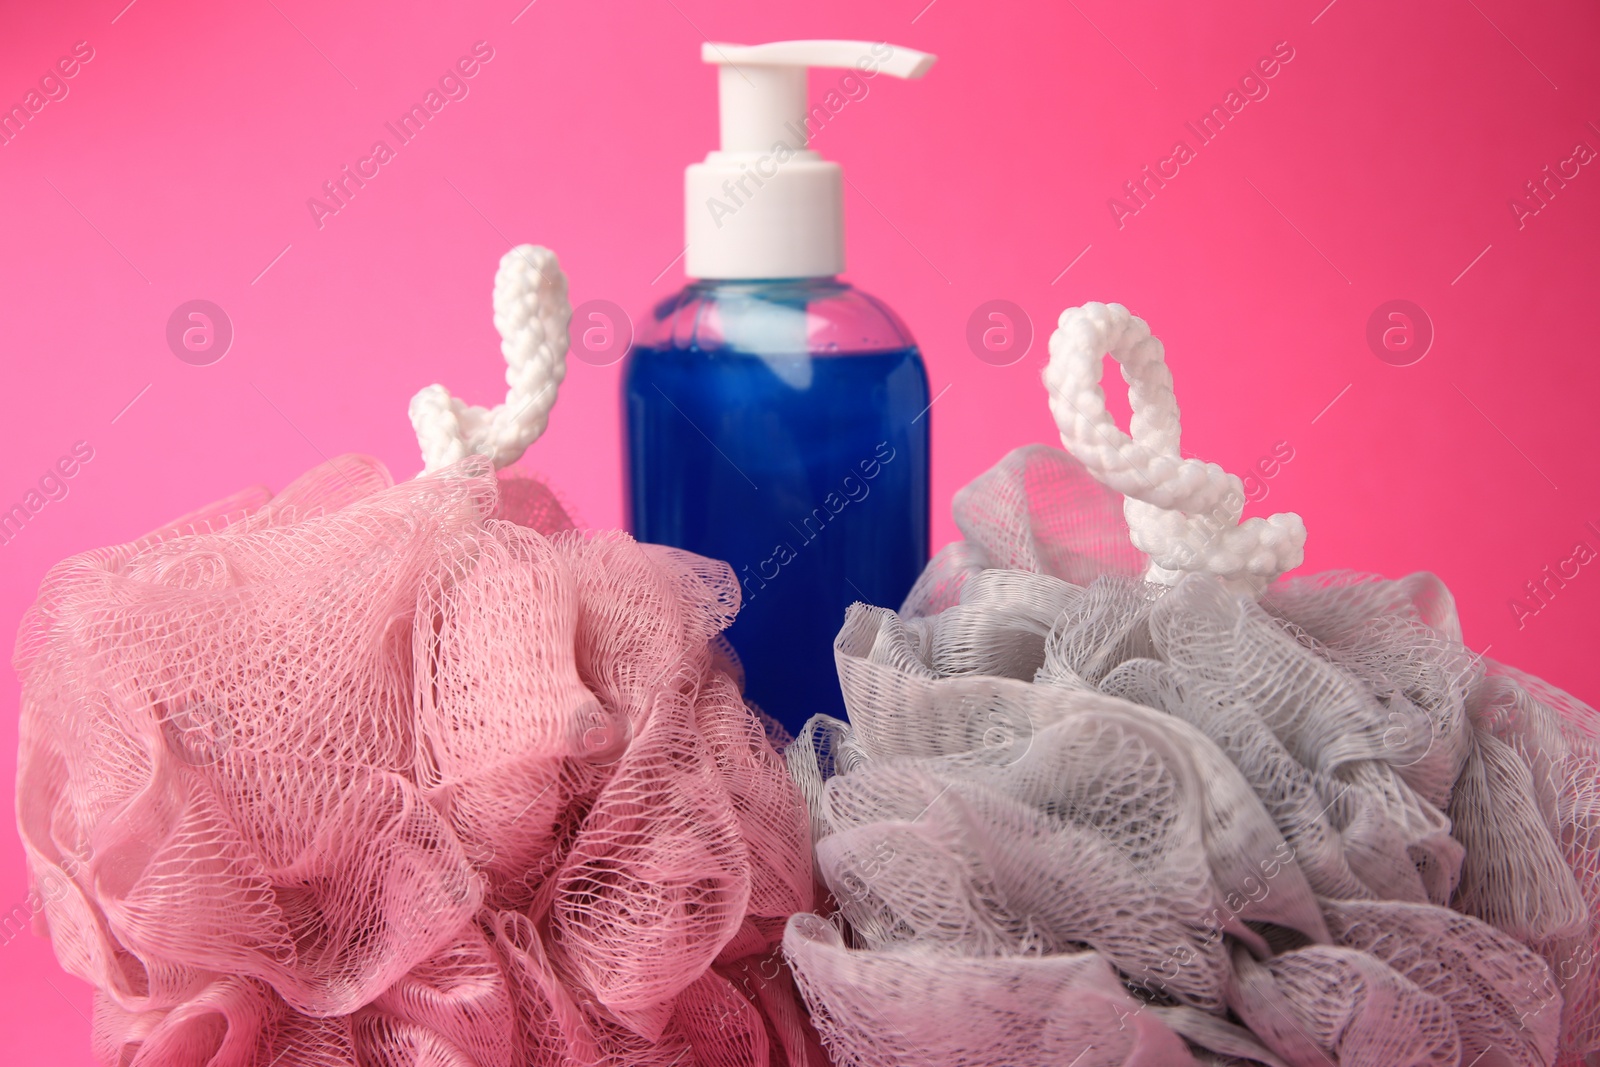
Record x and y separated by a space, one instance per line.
765 205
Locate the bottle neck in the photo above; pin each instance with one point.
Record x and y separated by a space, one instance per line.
788 315
822 285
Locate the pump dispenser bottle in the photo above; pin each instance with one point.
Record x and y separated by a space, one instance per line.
775 416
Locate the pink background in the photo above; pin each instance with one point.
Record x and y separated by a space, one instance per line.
1380 166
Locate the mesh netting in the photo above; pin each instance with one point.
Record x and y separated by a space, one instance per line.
1080 819
401 775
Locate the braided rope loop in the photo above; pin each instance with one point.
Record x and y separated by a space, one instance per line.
531 311
1183 513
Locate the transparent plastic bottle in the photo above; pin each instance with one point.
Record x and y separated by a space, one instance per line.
781 425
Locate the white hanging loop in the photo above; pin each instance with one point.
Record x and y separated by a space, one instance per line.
531 311
1183 513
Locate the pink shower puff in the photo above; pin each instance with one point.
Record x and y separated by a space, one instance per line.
407 774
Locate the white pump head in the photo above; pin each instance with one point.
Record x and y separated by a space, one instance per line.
765 205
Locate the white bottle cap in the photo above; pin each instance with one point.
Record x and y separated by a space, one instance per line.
765 206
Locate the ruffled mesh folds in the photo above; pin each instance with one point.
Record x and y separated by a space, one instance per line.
417 774
365 774
1079 819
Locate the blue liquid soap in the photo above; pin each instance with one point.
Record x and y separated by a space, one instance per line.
782 426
